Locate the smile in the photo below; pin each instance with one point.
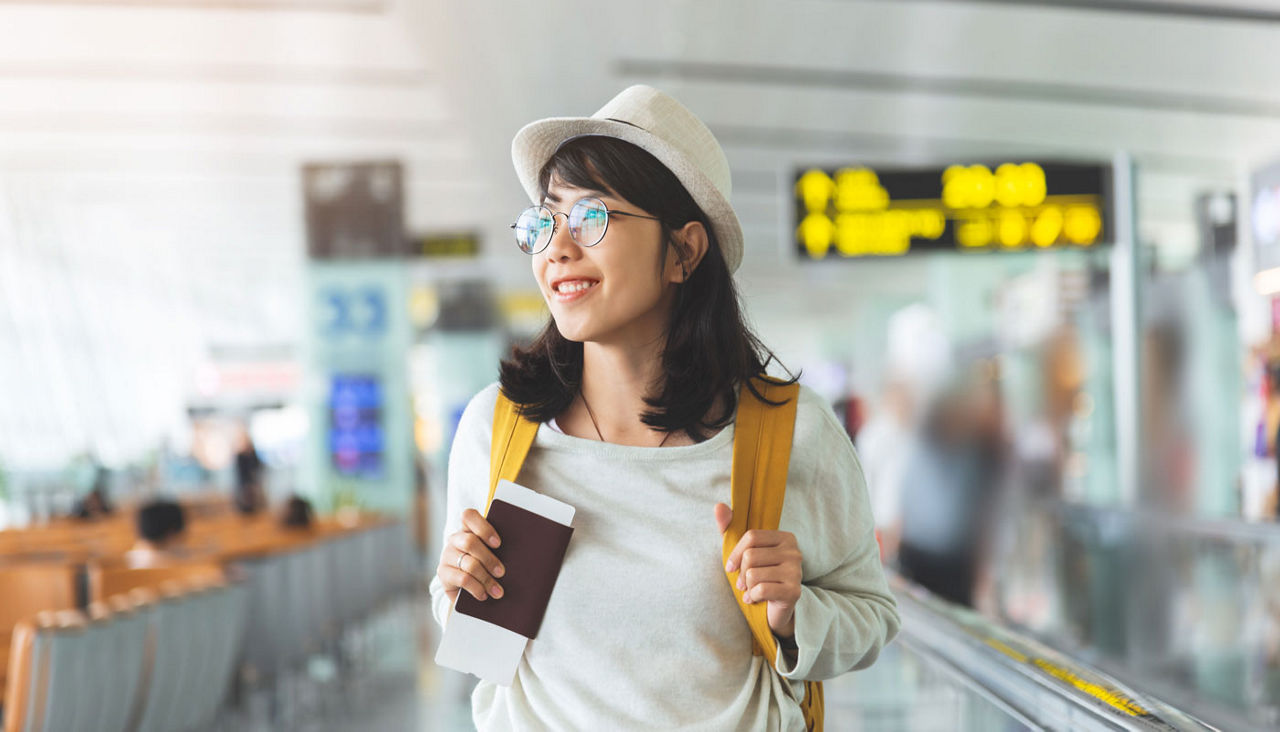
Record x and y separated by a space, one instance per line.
568 290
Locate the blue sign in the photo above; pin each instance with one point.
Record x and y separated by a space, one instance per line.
356 434
353 312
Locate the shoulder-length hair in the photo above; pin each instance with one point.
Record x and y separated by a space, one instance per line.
709 349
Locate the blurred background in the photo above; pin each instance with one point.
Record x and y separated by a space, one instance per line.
255 253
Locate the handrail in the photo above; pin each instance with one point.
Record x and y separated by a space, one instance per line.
1124 520
957 676
1039 683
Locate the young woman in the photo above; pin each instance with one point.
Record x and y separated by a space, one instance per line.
635 383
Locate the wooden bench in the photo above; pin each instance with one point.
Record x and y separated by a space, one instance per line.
28 589
108 581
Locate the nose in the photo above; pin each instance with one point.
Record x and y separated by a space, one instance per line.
562 247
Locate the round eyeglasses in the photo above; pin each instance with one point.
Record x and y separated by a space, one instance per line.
588 221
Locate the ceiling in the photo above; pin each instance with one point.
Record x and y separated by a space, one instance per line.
150 206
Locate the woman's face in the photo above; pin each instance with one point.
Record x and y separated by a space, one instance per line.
616 292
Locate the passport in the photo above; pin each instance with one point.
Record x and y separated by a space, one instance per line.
532 551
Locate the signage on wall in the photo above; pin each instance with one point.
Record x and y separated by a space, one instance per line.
859 212
445 246
354 210
356 434
352 311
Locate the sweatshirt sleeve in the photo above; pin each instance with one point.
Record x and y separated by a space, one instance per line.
846 612
468 481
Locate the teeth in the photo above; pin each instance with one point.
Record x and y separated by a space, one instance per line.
571 287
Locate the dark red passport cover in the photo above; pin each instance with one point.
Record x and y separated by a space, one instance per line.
532 550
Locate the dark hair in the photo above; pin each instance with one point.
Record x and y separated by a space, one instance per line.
297 513
161 520
709 349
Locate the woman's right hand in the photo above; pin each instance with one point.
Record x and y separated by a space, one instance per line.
468 563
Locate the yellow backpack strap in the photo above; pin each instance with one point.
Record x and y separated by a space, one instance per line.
761 456
512 437
813 706
758 482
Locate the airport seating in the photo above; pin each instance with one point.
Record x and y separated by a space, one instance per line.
22 668
145 661
127 649
106 581
28 588
34 586
62 678
292 594
193 638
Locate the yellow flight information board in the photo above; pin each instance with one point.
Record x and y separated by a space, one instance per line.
457 246
858 212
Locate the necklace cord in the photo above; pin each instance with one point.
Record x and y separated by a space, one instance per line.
597 426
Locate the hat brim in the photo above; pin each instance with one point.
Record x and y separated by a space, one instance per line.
536 142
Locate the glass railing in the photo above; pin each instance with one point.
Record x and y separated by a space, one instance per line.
1184 608
910 689
953 669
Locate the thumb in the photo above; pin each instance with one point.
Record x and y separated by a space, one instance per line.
724 515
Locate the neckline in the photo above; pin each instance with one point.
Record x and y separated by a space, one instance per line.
552 438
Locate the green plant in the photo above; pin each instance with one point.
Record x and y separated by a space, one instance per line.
345 495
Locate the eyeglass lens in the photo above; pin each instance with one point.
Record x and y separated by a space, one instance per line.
588 221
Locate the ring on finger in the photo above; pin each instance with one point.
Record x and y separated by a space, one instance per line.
460 556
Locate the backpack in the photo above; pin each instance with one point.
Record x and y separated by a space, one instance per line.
761 454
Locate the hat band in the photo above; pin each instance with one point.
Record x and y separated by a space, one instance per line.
623 121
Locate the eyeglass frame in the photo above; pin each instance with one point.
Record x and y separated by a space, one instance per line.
555 223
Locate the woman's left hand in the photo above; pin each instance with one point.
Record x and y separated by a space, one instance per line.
770 571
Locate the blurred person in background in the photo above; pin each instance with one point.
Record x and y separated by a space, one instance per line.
297 513
161 530
1271 425
952 483
884 447
1168 454
96 503
1043 441
421 504
249 494
917 361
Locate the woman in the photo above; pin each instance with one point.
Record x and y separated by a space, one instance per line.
635 380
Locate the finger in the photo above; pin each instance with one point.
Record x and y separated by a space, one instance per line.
474 567
770 556
784 573
468 543
783 592
476 524
755 539
452 576
724 515
759 558
766 556
751 539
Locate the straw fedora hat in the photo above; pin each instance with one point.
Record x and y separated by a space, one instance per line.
664 128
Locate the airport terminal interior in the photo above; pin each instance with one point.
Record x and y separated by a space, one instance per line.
256 258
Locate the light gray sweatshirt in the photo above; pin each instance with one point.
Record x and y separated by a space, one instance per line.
642 630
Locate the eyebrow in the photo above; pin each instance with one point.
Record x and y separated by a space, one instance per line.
548 196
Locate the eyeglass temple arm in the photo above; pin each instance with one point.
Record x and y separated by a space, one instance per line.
611 213
638 216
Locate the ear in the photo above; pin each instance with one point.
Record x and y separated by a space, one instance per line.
688 248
